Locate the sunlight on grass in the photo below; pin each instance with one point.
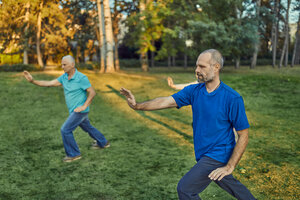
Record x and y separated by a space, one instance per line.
157 145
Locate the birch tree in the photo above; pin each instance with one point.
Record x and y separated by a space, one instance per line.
26 45
286 39
109 38
38 35
101 35
257 43
274 34
296 51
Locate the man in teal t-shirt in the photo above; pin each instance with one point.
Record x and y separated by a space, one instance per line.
76 86
217 109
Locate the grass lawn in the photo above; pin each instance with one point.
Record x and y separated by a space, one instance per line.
150 151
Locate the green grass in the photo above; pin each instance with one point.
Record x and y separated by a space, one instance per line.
150 151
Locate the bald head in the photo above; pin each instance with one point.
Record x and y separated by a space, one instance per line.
216 57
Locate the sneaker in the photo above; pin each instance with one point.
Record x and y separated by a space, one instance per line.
71 159
96 146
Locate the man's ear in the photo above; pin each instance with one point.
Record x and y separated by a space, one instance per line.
217 67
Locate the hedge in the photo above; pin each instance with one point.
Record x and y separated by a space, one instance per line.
18 67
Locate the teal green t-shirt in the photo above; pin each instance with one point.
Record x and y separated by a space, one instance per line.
75 90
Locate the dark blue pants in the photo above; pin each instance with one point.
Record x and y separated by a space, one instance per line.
196 180
74 120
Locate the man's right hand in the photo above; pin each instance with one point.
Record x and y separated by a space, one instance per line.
28 76
170 82
130 98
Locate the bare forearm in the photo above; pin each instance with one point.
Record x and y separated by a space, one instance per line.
156 104
89 99
42 83
238 151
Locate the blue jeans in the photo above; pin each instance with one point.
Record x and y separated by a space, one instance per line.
82 120
196 180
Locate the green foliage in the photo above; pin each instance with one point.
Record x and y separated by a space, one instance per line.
18 68
130 63
10 59
85 66
147 25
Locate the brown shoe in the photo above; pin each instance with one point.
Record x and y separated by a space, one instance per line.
96 146
71 159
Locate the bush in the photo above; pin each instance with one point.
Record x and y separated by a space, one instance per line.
11 59
130 63
85 66
18 68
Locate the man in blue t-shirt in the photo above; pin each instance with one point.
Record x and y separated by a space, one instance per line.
76 86
217 109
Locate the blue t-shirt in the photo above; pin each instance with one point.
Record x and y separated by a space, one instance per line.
75 90
215 115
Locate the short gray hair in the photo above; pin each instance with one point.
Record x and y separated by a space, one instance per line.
216 57
70 58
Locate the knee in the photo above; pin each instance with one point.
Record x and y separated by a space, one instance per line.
63 130
181 186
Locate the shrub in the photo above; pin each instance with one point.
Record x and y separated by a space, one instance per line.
130 63
18 68
85 66
10 59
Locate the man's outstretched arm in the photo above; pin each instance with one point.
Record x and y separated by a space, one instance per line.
179 86
30 79
154 104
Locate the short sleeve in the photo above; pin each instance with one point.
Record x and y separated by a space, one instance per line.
184 96
237 114
85 83
60 79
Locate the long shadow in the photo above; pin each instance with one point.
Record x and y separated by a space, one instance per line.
142 113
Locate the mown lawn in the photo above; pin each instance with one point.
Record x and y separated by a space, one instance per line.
150 151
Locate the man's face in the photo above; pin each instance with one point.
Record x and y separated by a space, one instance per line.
204 70
67 65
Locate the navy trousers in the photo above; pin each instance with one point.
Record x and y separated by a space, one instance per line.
196 180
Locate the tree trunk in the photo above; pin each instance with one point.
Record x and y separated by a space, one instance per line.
257 43
115 25
169 61
173 61
152 59
287 49
237 63
82 49
296 46
275 33
143 56
152 55
109 38
286 40
38 37
25 54
144 61
185 61
117 62
101 36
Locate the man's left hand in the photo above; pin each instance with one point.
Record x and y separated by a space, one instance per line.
80 108
219 173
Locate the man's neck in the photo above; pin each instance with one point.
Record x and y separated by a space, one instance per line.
212 85
71 73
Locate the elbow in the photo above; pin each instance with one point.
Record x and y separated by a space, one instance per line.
93 94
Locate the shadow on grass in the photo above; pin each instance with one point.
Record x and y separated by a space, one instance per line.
143 114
